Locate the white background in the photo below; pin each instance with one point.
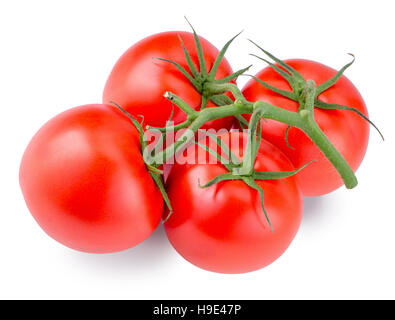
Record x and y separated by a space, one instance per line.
57 54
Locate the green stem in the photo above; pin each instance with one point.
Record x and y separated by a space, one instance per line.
212 88
171 128
250 152
275 113
314 132
309 96
204 116
303 119
181 104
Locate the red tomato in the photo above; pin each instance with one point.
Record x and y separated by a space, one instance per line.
85 182
222 228
138 80
348 132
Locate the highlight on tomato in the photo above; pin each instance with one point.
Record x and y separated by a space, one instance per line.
223 227
85 182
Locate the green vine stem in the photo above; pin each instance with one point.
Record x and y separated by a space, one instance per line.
212 89
305 93
204 116
302 119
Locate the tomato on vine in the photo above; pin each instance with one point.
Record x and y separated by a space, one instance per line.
180 62
339 111
94 183
233 224
85 182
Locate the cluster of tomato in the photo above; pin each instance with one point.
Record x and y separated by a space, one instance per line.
85 181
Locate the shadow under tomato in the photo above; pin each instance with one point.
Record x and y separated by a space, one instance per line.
150 255
315 210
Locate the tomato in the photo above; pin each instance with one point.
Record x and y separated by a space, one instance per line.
86 184
222 228
347 131
138 80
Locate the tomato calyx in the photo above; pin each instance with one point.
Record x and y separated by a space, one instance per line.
155 173
298 86
244 170
200 77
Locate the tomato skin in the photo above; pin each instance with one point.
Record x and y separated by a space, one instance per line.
138 80
347 131
222 228
85 183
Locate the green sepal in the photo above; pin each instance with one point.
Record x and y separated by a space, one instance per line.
222 160
328 106
298 85
158 179
251 183
280 71
291 70
221 99
233 75
242 121
176 127
154 172
287 94
195 83
286 138
234 166
138 126
222 177
200 78
271 175
218 59
228 176
153 169
294 78
190 63
202 62
232 157
326 85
